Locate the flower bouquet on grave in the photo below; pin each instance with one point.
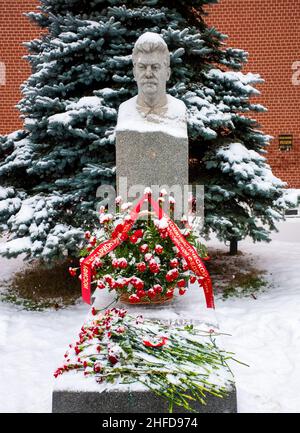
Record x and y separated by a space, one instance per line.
181 364
146 267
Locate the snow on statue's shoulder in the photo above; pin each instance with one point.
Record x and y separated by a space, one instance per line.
170 119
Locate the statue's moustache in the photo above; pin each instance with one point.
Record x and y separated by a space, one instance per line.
149 82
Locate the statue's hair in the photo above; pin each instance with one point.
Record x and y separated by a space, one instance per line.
148 44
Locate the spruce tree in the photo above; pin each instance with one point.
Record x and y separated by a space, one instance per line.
81 72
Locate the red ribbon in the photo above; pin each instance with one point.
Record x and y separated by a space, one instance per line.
188 252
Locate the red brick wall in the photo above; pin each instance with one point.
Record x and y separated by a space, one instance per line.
15 28
269 30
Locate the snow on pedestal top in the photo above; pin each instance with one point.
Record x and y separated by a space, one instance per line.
173 121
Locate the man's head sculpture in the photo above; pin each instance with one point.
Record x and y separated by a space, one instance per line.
151 69
152 109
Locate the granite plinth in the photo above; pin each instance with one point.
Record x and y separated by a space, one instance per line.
151 158
133 402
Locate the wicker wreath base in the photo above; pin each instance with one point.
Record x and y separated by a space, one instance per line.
158 300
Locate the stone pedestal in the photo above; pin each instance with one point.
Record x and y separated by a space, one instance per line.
132 402
152 150
151 158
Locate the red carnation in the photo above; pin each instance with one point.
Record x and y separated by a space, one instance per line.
133 280
138 233
93 241
144 248
158 249
126 281
169 277
141 266
139 284
94 311
148 343
98 263
101 285
163 234
97 367
193 279
175 273
174 263
115 263
154 267
170 293
119 284
58 372
96 331
182 291
77 350
151 293
109 279
172 275
123 263
113 285
134 299
122 313
185 266
133 239
87 235
72 272
113 359
181 283
141 293
157 288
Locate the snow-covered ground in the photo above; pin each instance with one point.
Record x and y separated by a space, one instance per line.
265 334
